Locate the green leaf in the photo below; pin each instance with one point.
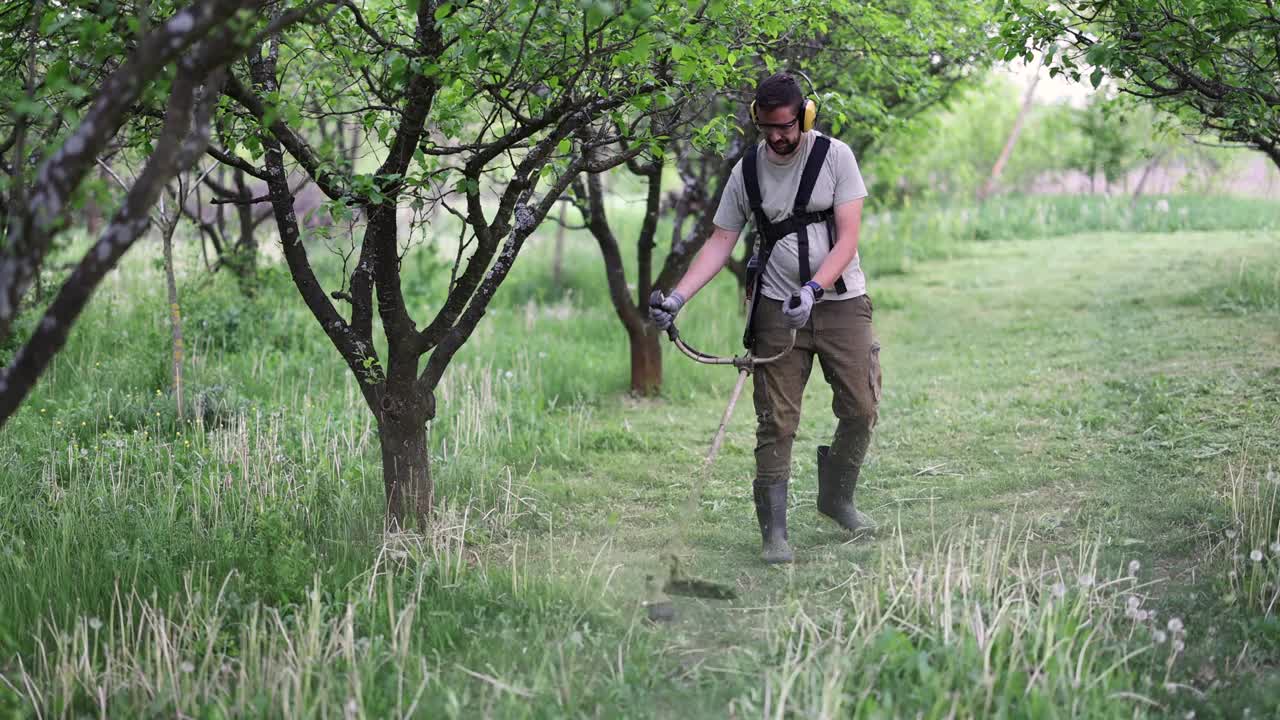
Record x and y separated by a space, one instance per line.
1096 77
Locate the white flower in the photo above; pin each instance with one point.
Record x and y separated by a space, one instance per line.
1178 646
1231 534
187 667
1160 637
1142 616
1134 602
508 374
1256 556
1275 547
1059 589
95 624
1086 580
1175 625
1134 565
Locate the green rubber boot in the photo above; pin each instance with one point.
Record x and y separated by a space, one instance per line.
835 493
771 512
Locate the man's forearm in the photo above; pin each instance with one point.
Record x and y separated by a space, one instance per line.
848 227
710 259
837 260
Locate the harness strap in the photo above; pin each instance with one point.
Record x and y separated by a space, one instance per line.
808 179
751 179
764 248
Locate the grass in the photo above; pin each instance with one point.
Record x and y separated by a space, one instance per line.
1078 447
929 233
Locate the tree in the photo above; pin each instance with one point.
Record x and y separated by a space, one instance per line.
485 114
1024 110
1211 61
875 68
196 43
1115 136
701 194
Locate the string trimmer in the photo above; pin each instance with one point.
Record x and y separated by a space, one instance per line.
677 583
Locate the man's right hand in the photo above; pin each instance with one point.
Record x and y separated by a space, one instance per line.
663 308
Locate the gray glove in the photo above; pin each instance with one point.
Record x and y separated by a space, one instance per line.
796 310
663 309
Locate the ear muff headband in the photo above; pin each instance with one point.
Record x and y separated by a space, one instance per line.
808 116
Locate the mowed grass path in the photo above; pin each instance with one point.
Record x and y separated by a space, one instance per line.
1083 388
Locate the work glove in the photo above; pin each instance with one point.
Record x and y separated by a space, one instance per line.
795 311
663 308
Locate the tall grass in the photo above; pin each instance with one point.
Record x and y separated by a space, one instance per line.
423 633
1252 285
979 626
1250 545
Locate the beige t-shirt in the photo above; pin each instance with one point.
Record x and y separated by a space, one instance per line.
839 182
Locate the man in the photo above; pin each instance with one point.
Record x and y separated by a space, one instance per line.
830 310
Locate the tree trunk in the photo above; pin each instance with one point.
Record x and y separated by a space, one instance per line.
557 257
245 251
646 360
175 312
990 185
406 462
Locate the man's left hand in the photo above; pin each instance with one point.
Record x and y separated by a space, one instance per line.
796 309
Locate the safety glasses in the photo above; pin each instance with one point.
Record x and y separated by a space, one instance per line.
769 127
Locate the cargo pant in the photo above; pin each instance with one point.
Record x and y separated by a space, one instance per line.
839 333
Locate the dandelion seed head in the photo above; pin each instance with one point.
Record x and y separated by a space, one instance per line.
1160 637
187 667
1275 547
1086 580
1256 556
95 624
1059 589
1179 646
1134 566
1231 534
1175 625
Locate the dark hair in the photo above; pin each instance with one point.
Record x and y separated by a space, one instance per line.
779 90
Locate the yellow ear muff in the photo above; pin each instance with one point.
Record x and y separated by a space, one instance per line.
806 123
810 115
